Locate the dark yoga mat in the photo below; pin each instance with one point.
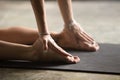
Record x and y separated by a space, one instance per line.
106 60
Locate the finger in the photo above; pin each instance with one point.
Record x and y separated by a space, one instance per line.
82 37
76 59
85 36
87 46
45 44
58 49
73 59
88 37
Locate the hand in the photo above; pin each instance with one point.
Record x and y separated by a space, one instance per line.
47 42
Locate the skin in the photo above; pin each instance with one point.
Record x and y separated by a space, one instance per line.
47 43
74 33
42 40
32 53
25 35
81 40
10 51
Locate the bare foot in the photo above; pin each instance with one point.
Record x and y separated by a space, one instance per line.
75 37
51 55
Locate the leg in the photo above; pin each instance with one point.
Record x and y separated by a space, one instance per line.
12 51
73 32
28 36
20 35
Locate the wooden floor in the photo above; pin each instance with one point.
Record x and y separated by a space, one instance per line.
100 19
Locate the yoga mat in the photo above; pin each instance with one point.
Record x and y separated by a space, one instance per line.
106 60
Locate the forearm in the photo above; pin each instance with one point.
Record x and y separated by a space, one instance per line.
66 10
13 51
40 14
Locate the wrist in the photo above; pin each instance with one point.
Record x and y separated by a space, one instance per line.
43 34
